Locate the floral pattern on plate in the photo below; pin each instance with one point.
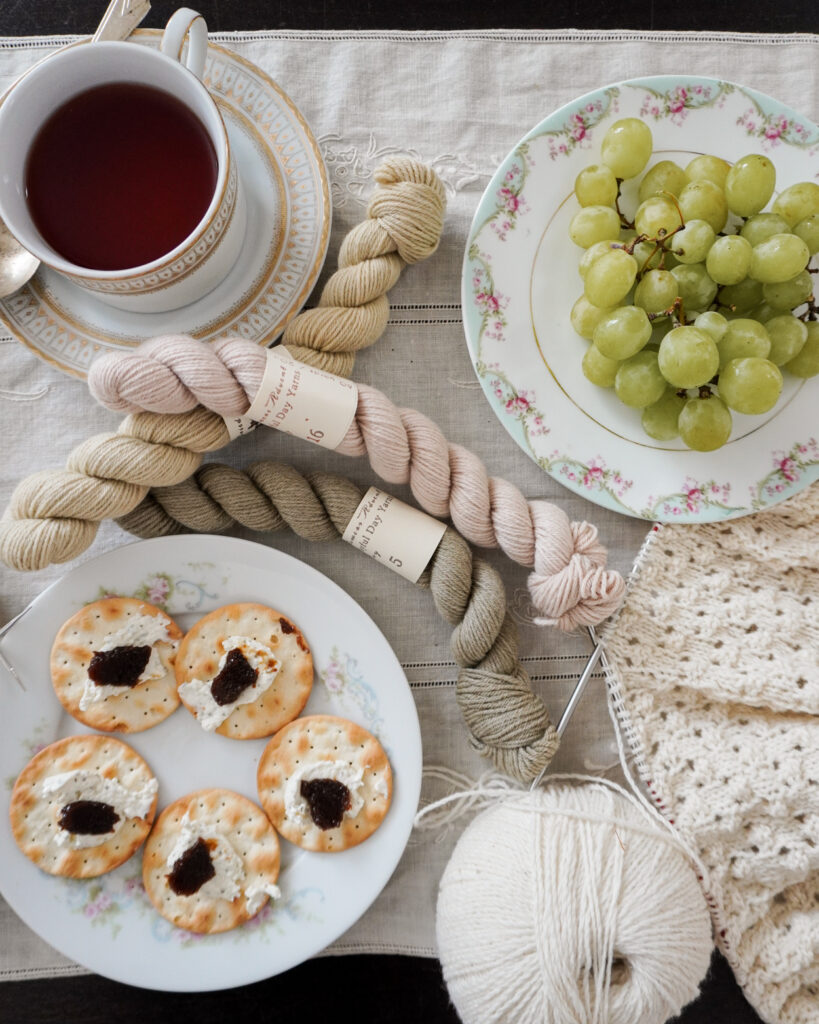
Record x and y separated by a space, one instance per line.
107 924
520 281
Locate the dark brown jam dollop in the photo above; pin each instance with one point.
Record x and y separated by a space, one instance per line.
328 800
190 871
236 675
88 817
120 667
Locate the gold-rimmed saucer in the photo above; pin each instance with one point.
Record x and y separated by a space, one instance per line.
288 229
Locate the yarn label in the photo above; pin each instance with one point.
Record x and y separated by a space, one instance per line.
304 401
238 426
394 533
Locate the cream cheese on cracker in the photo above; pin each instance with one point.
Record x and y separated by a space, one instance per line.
137 631
228 881
81 784
297 809
197 693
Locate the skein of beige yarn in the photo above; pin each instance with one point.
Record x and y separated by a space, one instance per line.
405 218
568 905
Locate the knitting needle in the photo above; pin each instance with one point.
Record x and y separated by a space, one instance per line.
576 694
7 665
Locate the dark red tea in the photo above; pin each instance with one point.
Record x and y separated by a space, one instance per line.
119 175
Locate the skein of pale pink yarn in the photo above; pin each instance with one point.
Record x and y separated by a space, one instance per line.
570 585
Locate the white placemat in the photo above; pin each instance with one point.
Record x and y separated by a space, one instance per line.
459 101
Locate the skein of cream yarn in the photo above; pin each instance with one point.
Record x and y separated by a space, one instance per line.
568 906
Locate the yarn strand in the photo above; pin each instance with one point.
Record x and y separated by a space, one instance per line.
570 585
507 722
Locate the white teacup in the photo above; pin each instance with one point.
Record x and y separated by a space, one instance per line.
201 260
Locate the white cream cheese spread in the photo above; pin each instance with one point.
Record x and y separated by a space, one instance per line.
228 881
138 631
297 809
197 693
67 787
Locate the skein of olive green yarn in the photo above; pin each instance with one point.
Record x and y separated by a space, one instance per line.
506 720
405 218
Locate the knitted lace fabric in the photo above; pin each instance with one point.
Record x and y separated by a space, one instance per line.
714 672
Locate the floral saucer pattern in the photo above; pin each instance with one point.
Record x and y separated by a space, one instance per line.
520 281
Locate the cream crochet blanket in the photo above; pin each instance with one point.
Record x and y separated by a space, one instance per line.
714 671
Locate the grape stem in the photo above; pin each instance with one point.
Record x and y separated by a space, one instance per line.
624 221
676 308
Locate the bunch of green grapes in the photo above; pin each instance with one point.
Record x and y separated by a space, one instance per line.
691 307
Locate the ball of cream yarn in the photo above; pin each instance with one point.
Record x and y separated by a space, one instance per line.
570 906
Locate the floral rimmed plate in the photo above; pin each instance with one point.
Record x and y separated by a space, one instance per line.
288 230
520 281
108 924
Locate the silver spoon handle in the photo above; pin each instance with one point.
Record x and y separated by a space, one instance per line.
120 20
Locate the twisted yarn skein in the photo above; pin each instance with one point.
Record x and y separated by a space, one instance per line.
568 906
53 516
405 219
570 585
506 720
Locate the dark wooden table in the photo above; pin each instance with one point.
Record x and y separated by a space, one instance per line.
386 989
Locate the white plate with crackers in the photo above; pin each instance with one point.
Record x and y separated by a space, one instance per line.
108 923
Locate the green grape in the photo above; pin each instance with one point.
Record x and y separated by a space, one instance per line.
788 335
709 168
599 369
743 337
761 226
764 312
789 294
656 291
729 259
626 147
712 323
688 357
691 245
750 184
751 385
798 202
596 185
741 298
705 423
808 231
638 382
593 224
622 332
703 200
779 258
697 289
593 251
609 279
666 176
806 364
657 217
585 317
660 419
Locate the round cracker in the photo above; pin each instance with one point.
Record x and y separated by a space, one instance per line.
33 815
201 650
325 738
250 833
137 707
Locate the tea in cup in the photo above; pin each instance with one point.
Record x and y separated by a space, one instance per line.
116 170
